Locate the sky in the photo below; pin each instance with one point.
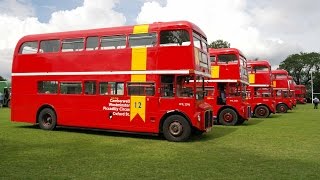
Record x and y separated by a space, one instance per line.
263 29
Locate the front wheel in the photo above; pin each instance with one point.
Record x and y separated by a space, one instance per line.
176 128
261 112
228 117
47 119
282 108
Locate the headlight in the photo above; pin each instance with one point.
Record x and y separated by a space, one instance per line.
199 118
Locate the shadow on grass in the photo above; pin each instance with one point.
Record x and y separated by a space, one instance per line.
146 136
217 132
253 121
101 132
275 116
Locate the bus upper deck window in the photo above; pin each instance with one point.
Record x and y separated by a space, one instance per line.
29 47
174 38
113 42
49 46
143 40
72 45
92 43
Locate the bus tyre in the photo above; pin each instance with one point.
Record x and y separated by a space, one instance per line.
47 119
282 108
228 117
176 128
261 112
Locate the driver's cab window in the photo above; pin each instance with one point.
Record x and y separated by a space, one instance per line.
166 88
184 87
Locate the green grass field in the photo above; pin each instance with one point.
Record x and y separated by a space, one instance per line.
285 146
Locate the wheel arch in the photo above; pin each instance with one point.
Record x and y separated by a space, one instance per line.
43 107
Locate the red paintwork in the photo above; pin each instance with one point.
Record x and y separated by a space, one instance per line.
300 92
229 72
87 110
262 85
280 79
292 95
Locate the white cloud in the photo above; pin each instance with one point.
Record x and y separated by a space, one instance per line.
14 25
230 20
16 8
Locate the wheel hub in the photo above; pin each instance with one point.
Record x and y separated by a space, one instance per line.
175 128
47 119
262 112
228 117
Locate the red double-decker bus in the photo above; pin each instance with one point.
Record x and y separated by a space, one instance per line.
260 89
281 90
131 78
292 88
300 92
226 90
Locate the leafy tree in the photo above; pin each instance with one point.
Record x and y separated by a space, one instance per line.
219 44
2 79
300 67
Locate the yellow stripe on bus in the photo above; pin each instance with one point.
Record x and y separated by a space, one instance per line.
139 63
252 78
140 29
215 70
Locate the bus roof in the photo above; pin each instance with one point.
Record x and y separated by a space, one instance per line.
225 51
113 31
259 63
280 72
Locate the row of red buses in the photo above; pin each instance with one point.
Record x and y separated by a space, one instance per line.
300 92
260 88
226 90
131 78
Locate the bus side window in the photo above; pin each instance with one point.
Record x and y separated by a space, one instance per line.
143 40
49 46
71 88
29 47
141 89
103 88
72 45
116 88
113 42
111 88
90 87
48 87
92 43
